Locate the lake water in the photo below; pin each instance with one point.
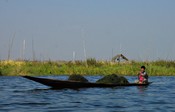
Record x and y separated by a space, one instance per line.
21 95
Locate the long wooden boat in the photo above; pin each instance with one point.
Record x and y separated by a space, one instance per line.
60 84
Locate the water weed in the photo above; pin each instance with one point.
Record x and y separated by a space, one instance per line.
90 67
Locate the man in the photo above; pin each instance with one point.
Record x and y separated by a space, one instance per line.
142 76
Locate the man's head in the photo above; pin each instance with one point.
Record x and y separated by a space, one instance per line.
143 68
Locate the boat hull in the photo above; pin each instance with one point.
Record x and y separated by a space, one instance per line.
60 84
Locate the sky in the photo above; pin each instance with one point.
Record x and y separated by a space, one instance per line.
57 29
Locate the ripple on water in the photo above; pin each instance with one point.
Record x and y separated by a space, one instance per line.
24 95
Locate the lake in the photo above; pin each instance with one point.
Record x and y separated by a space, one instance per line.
21 95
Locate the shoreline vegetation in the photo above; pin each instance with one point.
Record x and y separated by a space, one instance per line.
89 67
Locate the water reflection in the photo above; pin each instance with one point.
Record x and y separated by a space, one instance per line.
142 89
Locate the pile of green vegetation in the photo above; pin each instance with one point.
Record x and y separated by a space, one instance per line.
113 79
75 77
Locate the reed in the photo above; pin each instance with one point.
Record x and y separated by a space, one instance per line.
95 67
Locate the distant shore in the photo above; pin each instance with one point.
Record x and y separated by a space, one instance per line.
89 67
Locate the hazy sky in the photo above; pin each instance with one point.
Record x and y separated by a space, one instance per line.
139 29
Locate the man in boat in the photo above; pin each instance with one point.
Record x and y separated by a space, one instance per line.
142 76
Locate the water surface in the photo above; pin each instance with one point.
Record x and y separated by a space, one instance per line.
21 95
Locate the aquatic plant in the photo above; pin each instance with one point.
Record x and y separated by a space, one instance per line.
95 67
76 77
113 79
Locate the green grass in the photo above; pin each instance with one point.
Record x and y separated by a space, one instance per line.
90 67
